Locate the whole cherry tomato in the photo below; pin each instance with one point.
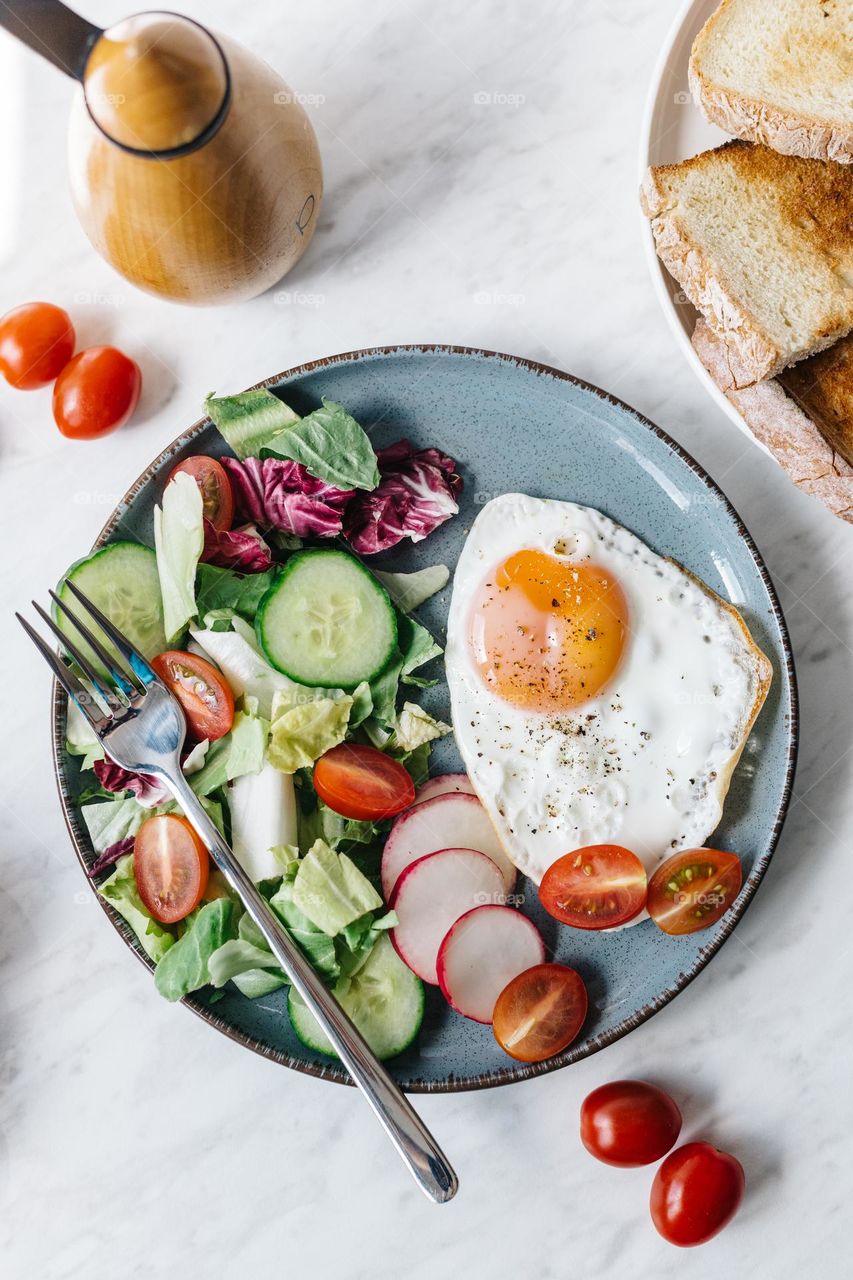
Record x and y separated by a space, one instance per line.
696 1192
96 392
629 1123
36 343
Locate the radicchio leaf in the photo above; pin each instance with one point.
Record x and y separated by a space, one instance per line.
417 492
243 550
275 493
148 790
111 855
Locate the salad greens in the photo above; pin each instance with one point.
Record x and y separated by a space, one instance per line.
293 478
178 542
250 420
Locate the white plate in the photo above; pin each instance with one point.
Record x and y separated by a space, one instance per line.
673 129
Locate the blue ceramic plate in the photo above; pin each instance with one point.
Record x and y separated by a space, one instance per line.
518 426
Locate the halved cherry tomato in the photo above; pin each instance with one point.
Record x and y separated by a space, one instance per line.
540 1012
96 392
594 888
362 782
171 867
36 343
629 1123
216 492
692 889
207 701
696 1192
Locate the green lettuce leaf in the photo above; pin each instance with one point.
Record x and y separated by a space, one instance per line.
408 590
240 751
178 542
219 589
121 892
303 727
416 727
250 420
245 669
331 891
331 445
81 739
110 821
184 967
417 647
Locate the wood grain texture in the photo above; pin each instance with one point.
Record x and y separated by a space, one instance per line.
220 224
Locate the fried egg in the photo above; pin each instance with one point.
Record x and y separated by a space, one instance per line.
601 694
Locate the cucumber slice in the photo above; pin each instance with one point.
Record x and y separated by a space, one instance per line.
122 580
327 622
384 999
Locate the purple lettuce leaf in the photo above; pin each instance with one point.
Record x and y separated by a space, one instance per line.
243 550
417 492
148 790
275 493
111 855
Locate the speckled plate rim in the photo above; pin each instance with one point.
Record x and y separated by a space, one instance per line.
519 1071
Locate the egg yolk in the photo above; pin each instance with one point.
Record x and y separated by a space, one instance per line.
546 634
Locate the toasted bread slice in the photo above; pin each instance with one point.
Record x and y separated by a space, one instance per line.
762 245
779 72
823 388
783 427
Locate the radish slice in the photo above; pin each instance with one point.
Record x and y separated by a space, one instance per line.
442 785
482 952
449 821
434 892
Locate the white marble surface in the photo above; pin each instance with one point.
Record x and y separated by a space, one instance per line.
133 1140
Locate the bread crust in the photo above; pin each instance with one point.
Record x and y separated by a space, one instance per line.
755 121
778 423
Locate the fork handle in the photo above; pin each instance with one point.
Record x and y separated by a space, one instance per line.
414 1142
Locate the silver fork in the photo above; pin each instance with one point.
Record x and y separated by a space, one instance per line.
143 730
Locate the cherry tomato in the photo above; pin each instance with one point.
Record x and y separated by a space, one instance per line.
692 889
96 392
207 700
216 492
696 1192
36 343
362 782
171 867
629 1123
594 888
540 1012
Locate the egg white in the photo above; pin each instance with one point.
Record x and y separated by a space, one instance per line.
647 762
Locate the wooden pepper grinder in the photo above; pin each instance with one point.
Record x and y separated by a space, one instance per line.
194 170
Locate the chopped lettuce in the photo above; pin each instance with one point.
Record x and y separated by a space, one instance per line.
178 542
217 588
417 647
184 967
247 672
121 892
250 420
408 590
110 821
239 752
302 727
80 738
262 807
415 727
331 891
331 445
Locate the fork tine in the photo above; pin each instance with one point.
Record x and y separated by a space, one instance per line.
102 685
132 656
94 643
72 686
